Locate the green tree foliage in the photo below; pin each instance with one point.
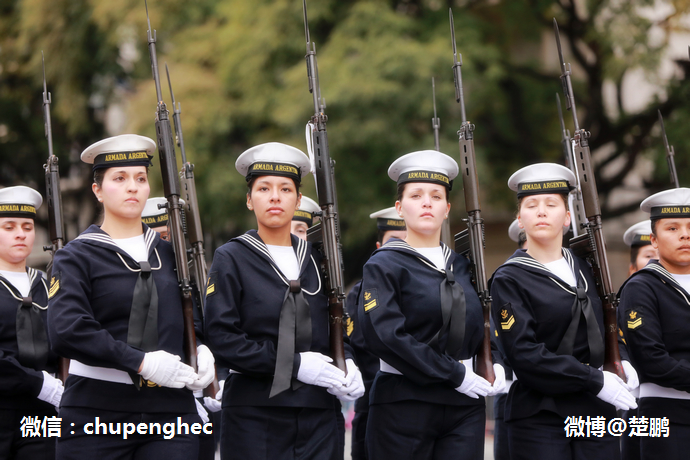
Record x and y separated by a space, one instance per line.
238 70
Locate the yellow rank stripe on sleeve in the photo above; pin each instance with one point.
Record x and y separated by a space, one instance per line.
350 326
54 287
368 306
210 289
634 321
506 325
507 318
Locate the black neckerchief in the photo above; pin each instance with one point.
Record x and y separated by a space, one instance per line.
582 305
32 340
453 305
294 327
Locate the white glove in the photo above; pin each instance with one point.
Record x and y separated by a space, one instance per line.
630 373
206 370
499 385
51 391
473 385
315 369
354 388
166 370
215 404
615 392
201 411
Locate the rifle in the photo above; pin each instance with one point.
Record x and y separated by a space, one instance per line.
54 199
670 154
171 187
436 125
592 244
471 241
193 222
577 209
324 177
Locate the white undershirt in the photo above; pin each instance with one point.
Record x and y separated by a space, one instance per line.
683 280
20 280
135 247
561 269
286 259
435 255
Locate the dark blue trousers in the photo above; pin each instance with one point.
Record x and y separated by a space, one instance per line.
77 444
15 447
359 430
416 430
280 433
542 436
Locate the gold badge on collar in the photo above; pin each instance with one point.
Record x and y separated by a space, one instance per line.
370 300
634 319
507 318
54 285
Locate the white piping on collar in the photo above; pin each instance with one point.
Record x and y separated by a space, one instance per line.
669 276
530 262
2 281
149 238
405 245
301 253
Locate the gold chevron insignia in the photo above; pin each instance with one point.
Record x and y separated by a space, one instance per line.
508 324
210 289
368 306
54 287
635 324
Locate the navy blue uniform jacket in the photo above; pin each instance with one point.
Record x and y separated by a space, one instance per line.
19 383
400 313
654 314
92 286
532 310
244 298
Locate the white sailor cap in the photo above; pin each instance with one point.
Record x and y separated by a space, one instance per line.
424 166
514 231
153 216
19 201
273 159
669 203
388 220
122 150
638 234
542 178
306 211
